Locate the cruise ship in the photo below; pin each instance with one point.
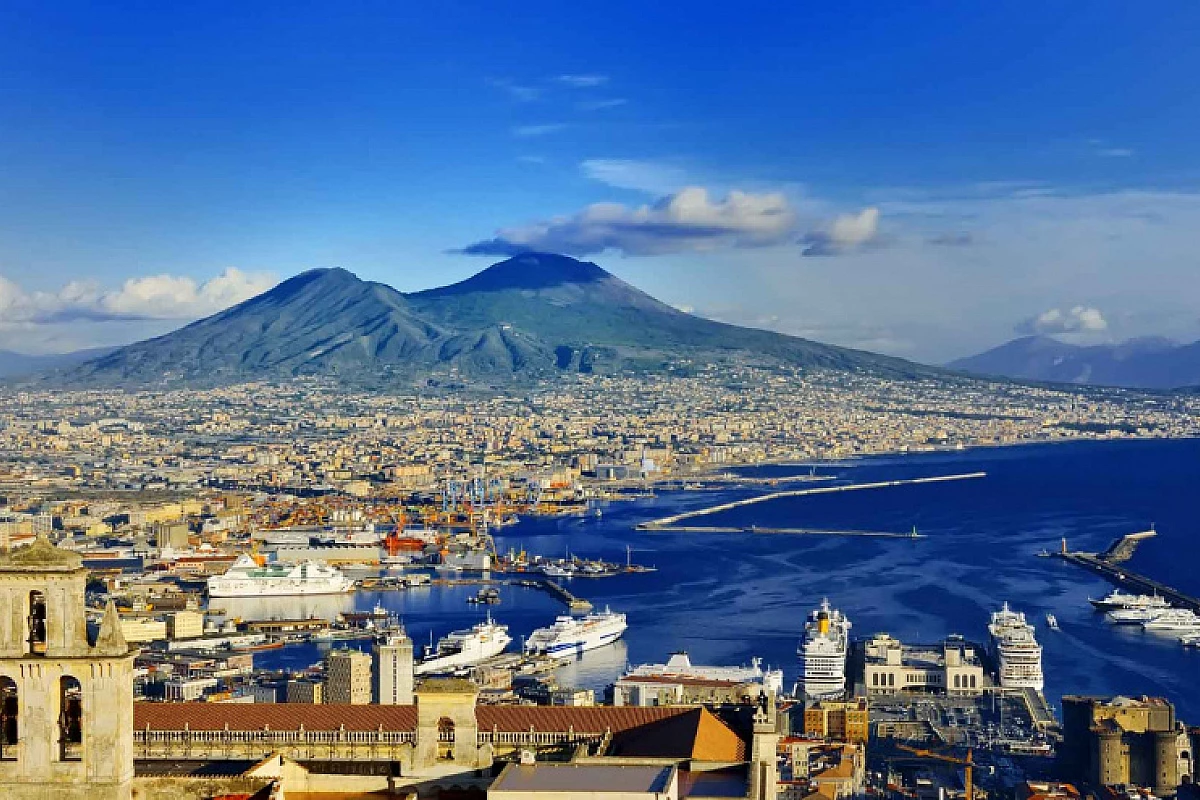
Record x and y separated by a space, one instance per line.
1118 599
464 648
1015 648
680 666
823 653
245 578
577 635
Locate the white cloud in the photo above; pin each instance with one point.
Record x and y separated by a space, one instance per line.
1077 319
583 81
686 221
1115 152
644 176
600 105
153 297
519 92
845 233
544 129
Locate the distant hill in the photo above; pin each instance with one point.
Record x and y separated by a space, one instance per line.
18 364
530 315
1147 363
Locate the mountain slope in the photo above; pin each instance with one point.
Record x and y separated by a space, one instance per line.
530 315
1149 363
17 364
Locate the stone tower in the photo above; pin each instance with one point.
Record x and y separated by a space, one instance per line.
66 703
447 730
394 670
764 771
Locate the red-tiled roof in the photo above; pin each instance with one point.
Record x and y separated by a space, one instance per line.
290 716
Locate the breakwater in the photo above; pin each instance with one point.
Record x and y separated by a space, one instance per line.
675 519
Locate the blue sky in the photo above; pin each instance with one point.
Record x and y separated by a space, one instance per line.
925 179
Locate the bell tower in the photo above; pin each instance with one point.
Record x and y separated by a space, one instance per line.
66 703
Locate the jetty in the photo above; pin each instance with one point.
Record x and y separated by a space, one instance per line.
675 519
788 531
1110 566
562 593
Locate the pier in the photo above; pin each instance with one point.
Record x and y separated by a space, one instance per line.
558 590
671 521
787 531
1124 578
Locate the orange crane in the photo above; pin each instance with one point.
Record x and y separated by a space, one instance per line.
968 762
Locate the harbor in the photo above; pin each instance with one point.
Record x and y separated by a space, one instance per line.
1110 566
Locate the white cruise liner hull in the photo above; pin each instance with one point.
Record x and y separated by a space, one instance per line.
580 646
258 590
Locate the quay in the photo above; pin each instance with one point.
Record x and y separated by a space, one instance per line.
667 522
1113 570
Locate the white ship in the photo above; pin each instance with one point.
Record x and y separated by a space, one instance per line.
245 578
1118 599
577 635
1133 616
1176 620
679 665
464 648
823 653
1018 655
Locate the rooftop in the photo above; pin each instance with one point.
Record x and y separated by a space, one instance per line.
593 778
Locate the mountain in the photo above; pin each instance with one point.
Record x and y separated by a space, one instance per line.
530 315
17 364
1145 363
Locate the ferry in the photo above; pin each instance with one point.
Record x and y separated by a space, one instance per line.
1016 650
245 578
679 665
464 648
577 635
559 570
1133 616
1118 599
823 653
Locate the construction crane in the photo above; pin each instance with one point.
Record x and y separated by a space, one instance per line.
968 763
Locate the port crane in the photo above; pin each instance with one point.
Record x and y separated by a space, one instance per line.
968 763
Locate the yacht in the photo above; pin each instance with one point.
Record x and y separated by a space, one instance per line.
464 648
823 653
1119 599
576 635
1133 616
1177 620
245 578
1017 653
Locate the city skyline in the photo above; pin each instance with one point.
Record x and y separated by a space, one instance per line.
817 172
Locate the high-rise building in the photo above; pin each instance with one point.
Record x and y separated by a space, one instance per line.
393 668
348 677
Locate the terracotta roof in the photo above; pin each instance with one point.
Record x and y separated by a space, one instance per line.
290 716
695 734
276 716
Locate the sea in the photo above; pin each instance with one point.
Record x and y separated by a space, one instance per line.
726 598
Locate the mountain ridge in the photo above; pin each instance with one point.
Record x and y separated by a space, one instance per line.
1142 363
529 315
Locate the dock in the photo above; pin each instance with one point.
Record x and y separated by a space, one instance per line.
1109 565
675 519
558 590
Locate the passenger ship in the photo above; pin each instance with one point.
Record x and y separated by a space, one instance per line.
464 648
823 653
1015 648
577 635
245 578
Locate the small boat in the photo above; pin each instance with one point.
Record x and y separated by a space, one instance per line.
1051 621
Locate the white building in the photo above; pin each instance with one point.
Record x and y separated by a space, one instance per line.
393 668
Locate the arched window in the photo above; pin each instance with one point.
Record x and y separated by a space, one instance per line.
70 719
37 623
9 722
445 728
